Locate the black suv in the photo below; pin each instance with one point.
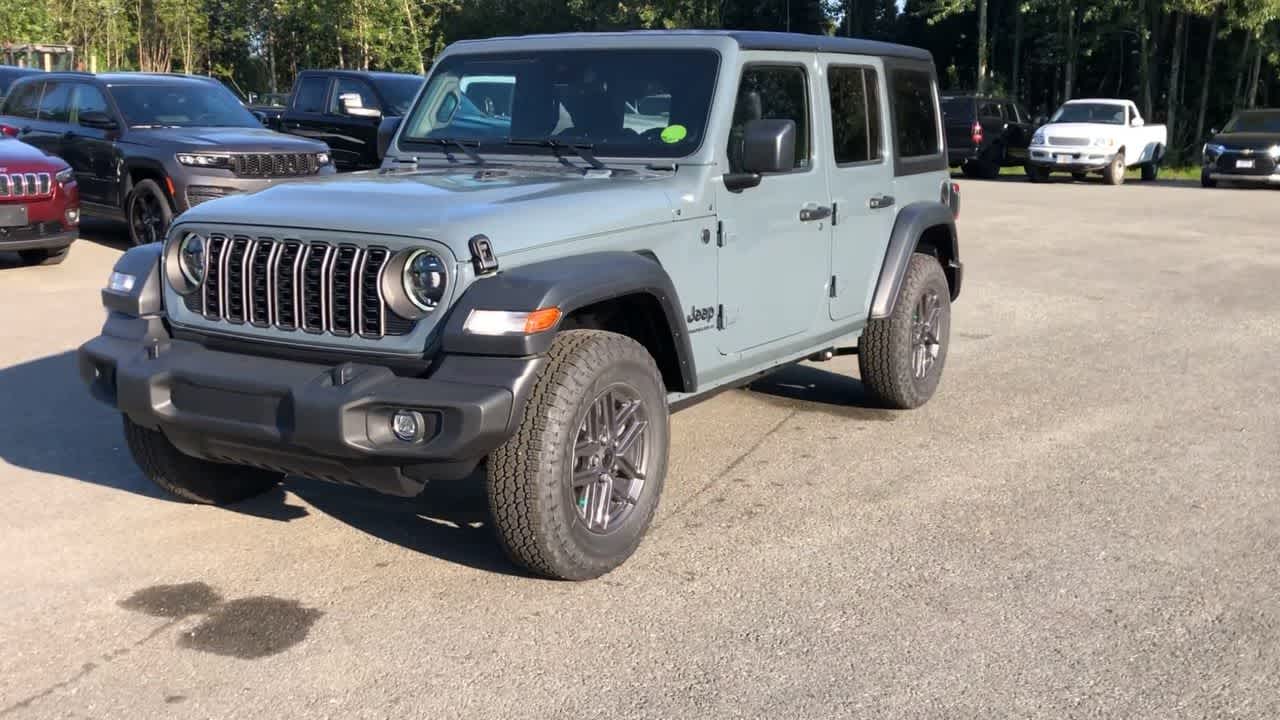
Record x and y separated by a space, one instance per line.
985 134
1247 150
344 109
146 147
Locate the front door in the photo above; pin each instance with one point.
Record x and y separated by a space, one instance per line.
91 152
353 138
773 255
861 179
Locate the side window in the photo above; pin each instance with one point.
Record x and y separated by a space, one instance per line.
24 101
1011 113
855 114
55 105
915 117
989 110
311 94
88 98
345 85
771 93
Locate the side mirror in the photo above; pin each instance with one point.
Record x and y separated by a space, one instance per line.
1139 122
1214 131
386 130
768 146
352 105
262 117
98 120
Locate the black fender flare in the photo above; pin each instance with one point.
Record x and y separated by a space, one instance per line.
912 223
152 166
569 284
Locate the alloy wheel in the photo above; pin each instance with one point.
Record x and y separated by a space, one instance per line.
925 346
147 219
611 456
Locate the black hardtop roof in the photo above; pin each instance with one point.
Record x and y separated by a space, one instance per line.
760 40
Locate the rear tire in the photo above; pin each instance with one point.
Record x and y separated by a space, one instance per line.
1079 176
192 479
44 257
901 357
147 213
1150 171
573 491
1114 174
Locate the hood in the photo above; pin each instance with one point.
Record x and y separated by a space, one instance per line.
1079 130
517 208
227 139
17 156
1247 140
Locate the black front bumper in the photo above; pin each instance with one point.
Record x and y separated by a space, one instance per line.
327 422
36 237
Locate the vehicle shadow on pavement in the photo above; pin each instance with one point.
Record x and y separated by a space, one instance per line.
449 521
50 424
805 387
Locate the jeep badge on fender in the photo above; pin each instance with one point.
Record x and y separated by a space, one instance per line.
353 329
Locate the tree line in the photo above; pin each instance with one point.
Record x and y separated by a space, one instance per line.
1189 63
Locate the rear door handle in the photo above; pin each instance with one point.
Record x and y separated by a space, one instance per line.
809 213
879 202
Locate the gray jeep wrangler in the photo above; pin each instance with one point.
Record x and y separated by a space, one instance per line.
570 237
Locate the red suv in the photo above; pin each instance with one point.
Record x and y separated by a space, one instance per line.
39 204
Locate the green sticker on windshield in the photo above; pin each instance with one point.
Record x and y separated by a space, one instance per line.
674 133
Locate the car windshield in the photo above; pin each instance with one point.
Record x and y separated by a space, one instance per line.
187 104
1255 122
399 92
622 103
1101 113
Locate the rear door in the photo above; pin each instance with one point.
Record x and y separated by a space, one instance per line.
959 114
53 112
860 177
1017 132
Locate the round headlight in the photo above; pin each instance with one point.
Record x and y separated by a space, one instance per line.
191 258
424 280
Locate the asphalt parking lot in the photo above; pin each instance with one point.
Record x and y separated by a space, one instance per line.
1085 522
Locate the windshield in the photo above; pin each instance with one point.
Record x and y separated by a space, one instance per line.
187 104
1254 122
398 92
623 103
1100 113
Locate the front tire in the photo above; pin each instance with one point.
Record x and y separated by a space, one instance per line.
901 357
1114 174
44 257
191 479
147 212
573 491
1037 174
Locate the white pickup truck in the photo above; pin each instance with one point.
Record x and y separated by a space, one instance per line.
1104 136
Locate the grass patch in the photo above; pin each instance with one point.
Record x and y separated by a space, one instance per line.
1186 172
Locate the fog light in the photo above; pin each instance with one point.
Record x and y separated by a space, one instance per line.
121 283
407 425
72 216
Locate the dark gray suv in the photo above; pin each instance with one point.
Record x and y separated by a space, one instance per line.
146 147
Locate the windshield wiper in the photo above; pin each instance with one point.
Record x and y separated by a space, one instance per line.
582 150
444 143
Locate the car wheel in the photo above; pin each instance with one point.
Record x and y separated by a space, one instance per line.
1150 171
901 357
1037 174
573 491
1206 180
192 479
148 213
970 169
44 257
1114 174
1079 176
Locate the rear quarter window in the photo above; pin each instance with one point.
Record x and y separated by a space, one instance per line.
915 117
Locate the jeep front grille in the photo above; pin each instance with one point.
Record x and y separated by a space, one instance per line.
316 287
25 185
264 165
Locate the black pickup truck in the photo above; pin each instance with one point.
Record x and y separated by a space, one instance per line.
343 108
985 134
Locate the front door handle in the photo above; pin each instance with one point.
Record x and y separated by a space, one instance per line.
879 202
809 213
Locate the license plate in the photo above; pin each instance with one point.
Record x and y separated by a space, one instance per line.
13 215
1064 158
1244 164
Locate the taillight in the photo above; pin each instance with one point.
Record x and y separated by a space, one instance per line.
976 132
8 130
